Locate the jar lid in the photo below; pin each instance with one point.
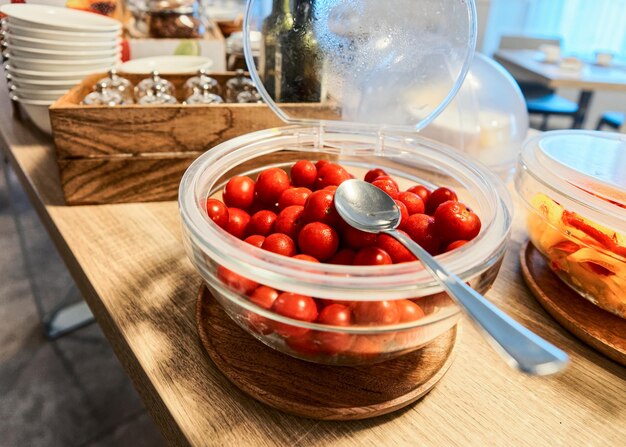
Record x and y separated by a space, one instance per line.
583 171
373 65
171 6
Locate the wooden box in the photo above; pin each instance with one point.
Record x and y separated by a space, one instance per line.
139 153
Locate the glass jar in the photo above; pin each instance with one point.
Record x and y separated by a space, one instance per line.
202 81
155 96
235 59
154 82
103 95
119 84
249 96
175 19
204 95
236 85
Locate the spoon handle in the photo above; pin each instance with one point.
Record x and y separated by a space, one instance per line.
516 344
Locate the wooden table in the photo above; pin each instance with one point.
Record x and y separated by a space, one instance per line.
588 79
130 265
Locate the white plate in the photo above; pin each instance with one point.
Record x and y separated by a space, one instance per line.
59 45
33 53
66 36
42 84
64 66
61 19
46 95
47 75
166 64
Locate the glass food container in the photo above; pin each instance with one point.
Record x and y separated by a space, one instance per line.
371 71
573 186
179 19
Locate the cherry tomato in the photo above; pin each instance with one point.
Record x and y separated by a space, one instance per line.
321 163
262 223
218 212
289 221
421 191
373 174
303 257
303 173
279 243
437 197
404 212
454 221
408 311
332 188
335 342
372 256
318 240
319 207
255 239
270 184
414 203
357 239
238 221
264 296
331 175
298 307
365 347
397 251
388 185
305 344
293 196
239 192
376 312
454 245
420 228
343 257
235 281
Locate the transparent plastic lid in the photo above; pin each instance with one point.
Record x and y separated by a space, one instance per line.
585 169
372 64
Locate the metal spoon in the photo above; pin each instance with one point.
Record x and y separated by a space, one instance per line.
368 208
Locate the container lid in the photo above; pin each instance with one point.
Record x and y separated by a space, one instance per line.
374 65
584 169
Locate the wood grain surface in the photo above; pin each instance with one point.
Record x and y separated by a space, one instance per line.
318 391
129 262
600 329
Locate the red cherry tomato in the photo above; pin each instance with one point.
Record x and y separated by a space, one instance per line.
421 191
321 163
395 249
255 239
303 173
408 311
343 257
332 188
303 257
373 174
437 197
388 185
357 239
365 347
331 175
235 281
298 307
238 221
279 243
239 192
420 228
289 221
319 207
376 312
404 212
372 256
318 240
262 222
270 184
305 345
414 203
218 212
264 296
335 342
454 245
293 196
454 221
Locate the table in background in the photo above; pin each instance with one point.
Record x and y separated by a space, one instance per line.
130 265
589 78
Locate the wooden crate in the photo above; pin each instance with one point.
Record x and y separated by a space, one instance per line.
139 153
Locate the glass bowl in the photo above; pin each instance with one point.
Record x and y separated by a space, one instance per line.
232 268
573 186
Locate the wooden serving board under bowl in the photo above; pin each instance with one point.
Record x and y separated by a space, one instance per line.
136 153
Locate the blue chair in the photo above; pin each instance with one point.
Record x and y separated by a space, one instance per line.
612 119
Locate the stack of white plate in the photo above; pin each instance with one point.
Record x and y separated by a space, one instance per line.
48 50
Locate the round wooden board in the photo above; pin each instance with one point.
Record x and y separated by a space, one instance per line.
598 328
318 391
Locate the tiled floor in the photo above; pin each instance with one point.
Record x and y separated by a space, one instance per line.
68 392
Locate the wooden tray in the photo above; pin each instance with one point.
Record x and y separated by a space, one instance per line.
318 391
598 328
139 153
